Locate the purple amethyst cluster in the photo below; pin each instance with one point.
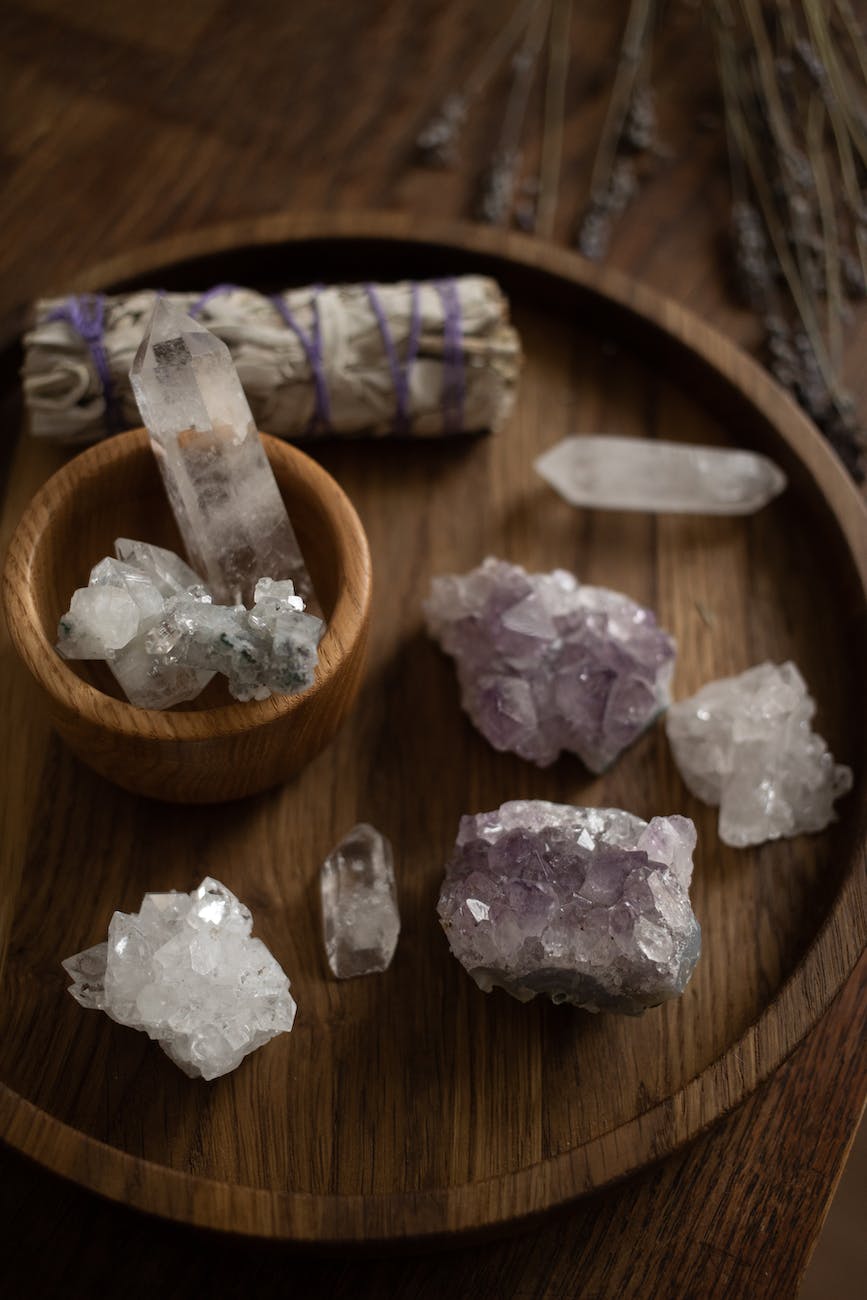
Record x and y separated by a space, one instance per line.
587 905
546 664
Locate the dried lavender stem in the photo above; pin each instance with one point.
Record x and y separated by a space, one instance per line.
803 303
555 100
838 77
830 240
499 187
493 58
631 55
855 34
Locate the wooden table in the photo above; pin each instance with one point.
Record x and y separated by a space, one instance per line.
126 124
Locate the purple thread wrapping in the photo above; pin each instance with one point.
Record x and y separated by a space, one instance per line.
453 357
209 294
312 345
399 373
85 313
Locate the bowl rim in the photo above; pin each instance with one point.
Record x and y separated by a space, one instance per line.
121 718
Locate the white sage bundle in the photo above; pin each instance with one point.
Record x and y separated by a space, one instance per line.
420 358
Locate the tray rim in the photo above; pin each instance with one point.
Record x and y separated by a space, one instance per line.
440 1213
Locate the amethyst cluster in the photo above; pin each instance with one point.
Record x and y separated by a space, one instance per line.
587 905
546 664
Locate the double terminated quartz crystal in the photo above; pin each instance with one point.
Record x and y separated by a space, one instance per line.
360 919
746 744
220 485
587 905
546 664
186 970
611 473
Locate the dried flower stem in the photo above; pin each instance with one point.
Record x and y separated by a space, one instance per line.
498 187
437 142
555 100
632 52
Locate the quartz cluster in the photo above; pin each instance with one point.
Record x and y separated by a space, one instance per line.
610 473
360 919
746 744
150 617
270 649
586 905
219 483
186 970
112 619
546 664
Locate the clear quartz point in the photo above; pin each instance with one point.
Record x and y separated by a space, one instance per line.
613 473
360 919
219 483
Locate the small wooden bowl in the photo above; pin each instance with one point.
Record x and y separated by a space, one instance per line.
194 754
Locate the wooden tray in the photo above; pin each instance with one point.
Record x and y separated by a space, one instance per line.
410 1105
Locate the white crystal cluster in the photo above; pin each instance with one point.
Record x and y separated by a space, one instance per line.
547 664
746 744
585 905
113 616
148 615
360 919
270 649
186 970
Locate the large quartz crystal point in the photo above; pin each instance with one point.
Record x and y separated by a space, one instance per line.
220 485
746 744
546 664
360 919
186 970
586 905
612 473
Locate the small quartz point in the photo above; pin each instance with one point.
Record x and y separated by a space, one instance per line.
359 904
585 905
612 473
217 476
186 970
546 664
746 744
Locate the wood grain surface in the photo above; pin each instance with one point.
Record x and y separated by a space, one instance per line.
125 127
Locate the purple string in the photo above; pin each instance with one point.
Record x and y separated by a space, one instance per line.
399 373
206 297
453 357
85 313
312 345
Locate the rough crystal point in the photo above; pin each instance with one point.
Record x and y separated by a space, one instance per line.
360 919
587 905
546 664
186 970
612 473
218 479
746 744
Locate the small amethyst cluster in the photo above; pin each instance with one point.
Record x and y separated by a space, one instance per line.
546 664
587 905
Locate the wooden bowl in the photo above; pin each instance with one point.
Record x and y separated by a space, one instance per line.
197 754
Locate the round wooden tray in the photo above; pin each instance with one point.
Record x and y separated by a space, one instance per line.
411 1105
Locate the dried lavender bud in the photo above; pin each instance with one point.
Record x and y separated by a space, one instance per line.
639 131
754 275
623 186
810 61
437 142
854 283
498 188
594 233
